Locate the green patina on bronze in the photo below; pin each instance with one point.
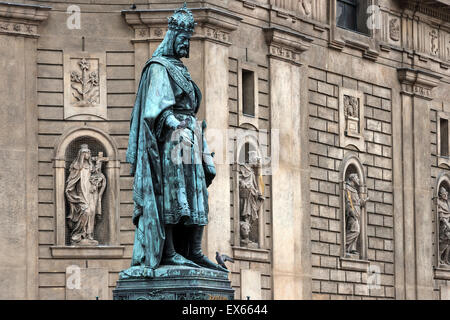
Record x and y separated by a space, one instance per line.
171 164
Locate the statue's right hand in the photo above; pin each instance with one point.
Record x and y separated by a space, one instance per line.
172 122
182 124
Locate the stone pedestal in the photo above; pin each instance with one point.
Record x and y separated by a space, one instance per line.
173 283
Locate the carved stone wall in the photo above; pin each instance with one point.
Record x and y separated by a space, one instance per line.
399 75
334 277
439 174
256 259
54 259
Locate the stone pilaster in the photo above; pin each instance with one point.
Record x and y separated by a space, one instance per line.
19 149
290 180
413 219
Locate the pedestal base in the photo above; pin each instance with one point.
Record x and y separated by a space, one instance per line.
173 283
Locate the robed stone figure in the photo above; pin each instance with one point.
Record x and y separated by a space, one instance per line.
443 211
169 158
250 199
84 190
353 205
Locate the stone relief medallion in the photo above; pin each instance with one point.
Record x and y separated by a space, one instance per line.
351 118
394 29
84 87
434 42
351 112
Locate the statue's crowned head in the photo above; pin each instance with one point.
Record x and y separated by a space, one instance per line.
84 148
180 29
182 20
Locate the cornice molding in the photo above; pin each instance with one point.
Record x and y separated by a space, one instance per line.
22 19
434 8
212 24
417 82
285 44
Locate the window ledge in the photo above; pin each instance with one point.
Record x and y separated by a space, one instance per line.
366 43
354 264
85 252
251 254
442 272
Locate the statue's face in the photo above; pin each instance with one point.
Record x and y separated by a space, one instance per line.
355 179
181 45
87 155
444 194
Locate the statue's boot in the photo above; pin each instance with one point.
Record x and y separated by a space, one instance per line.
195 251
170 257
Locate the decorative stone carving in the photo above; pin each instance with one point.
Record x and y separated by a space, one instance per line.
286 45
306 7
217 34
443 215
84 190
417 83
212 24
351 112
250 199
354 201
19 29
84 84
434 38
351 118
85 87
394 29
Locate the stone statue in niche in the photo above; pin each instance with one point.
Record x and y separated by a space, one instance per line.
353 204
443 212
351 113
84 190
250 197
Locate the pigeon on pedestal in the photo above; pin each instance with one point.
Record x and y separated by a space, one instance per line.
222 258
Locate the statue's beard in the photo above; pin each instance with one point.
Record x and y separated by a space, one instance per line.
182 52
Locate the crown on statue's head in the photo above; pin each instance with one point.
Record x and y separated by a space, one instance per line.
182 20
84 148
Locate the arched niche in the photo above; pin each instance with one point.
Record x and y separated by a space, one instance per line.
440 208
247 144
351 164
107 229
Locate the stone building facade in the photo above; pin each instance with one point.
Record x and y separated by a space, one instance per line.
318 90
